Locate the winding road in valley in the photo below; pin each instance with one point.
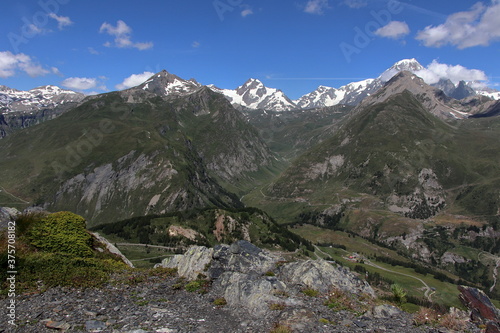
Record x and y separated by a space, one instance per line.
428 290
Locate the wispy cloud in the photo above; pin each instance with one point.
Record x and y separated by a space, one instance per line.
134 80
79 83
246 12
316 7
394 30
11 64
62 21
93 51
477 27
122 33
356 3
196 44
84 83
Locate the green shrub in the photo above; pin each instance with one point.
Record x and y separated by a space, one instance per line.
220 301
398 293
200 286
310 292
61 232
65 270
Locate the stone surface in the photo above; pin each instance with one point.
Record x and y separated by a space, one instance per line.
482 310
194 262
385 311
323 276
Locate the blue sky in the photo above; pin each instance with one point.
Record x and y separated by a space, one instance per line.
98 46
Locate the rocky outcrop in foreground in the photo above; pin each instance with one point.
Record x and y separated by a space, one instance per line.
250 277
238 288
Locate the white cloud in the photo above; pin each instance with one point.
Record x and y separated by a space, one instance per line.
436 71
56 71
134 80
394 30
122 33
246 12
93 51
196 44
355 3
316 7
80 83
477 27
62 21
11 64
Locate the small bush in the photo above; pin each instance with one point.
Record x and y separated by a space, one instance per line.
200 286
281 293
220 301
310 292
453 322
277 306
425 316
269 273
163 272
398 293
278 328
65 270
61 232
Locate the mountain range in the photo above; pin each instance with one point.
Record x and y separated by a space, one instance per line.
253 94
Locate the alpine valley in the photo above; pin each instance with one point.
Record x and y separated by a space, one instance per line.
391 163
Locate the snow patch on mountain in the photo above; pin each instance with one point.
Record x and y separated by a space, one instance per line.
13 100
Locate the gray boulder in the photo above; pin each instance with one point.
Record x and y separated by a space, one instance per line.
241 256
384 311
255 292
7 215
238 273
323 276
195 261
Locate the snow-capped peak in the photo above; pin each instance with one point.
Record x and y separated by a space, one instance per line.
254 94
12 100
164 83
411 65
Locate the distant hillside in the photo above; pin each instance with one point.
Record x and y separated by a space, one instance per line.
206 227
133 153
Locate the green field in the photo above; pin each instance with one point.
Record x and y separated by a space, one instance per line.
445 293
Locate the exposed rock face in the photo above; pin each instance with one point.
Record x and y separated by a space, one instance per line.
483 311
242 273
192 263
113 249
7 215
322 276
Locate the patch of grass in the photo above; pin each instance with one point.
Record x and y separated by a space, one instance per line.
162 272
325 321
310 292
269 273
277 306
281 293
199 286
181 282
338 300
278 328
142 302
425 316
221 301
